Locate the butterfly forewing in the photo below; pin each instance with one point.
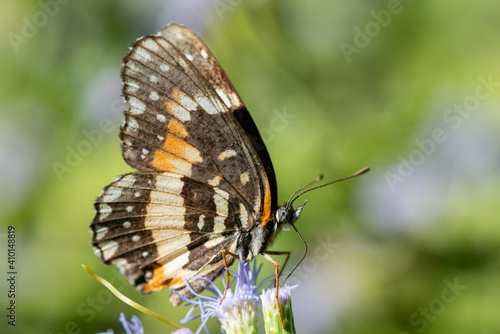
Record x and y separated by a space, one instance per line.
178 123
204 176
202 58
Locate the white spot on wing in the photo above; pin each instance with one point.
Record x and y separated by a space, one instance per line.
164 67
108 249
127 224
142 53
136 238
234 96
104 211
132 125
154 96
224 97
129 208
150 44
127 181
189 57
153 79
221 208
180 112
226 154
201 222
161 118
188 103
215 181
131 67
133 86
244 178
207 105
243 215
204 53
112 194
137 107
100 232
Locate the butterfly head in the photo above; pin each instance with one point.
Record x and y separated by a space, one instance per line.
287 214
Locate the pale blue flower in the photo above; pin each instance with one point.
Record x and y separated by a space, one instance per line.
183 331
132 327
238 307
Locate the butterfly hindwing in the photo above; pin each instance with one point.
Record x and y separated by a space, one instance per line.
156 232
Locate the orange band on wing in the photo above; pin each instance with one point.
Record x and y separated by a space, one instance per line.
180 148
159 282
177 156
265 217
177 128
170 163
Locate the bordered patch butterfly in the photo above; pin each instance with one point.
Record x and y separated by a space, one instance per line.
204 186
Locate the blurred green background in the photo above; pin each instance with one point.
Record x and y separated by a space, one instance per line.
411 88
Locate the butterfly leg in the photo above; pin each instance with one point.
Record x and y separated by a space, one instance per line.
287 254
277 273
224 252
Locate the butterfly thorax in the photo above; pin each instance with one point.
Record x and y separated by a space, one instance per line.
261 237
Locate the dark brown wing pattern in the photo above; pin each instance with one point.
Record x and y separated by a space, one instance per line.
204 176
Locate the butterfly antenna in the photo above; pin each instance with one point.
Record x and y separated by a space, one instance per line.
316 180
358 173
303 256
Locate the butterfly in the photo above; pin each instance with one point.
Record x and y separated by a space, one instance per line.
204 187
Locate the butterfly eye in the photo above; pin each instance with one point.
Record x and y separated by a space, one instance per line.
283 214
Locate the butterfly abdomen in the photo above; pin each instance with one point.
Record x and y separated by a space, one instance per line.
258 239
